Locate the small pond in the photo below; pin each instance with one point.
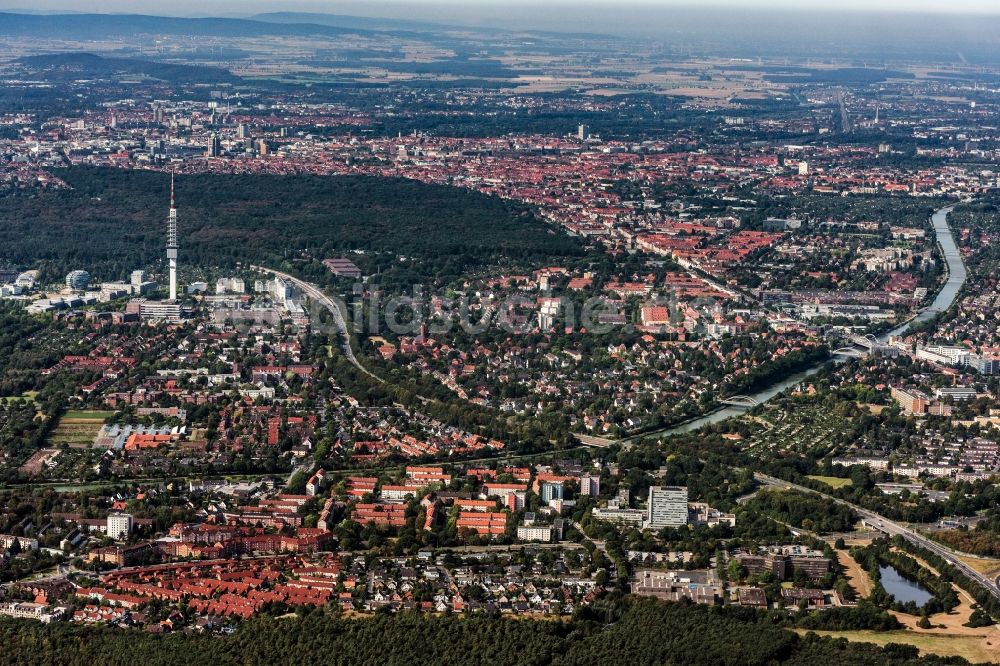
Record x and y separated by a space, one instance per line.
903 590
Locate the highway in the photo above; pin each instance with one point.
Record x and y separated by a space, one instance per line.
893 528
339 318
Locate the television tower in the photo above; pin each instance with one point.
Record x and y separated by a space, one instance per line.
172 242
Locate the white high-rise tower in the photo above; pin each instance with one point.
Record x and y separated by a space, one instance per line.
172 242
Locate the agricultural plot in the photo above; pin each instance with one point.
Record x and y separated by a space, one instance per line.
78 429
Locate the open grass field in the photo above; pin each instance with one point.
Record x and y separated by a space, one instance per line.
984 648
832 481
29 395
89 415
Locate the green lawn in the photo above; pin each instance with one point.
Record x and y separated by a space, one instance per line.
89 415
832 481
28 395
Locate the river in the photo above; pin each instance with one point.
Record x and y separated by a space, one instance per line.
956 274
945 297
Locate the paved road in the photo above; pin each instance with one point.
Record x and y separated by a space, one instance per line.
893 528
305 467
599 442
743 499
600 545
339 317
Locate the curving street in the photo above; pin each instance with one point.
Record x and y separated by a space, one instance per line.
339 318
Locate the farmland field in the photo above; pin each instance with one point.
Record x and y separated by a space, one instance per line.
78 428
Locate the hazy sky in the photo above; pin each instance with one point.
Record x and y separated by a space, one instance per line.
466 8
869 20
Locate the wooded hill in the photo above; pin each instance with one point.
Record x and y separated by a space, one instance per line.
65 67
114 221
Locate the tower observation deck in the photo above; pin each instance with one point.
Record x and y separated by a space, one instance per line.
172 242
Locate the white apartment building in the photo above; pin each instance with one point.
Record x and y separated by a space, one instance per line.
667 506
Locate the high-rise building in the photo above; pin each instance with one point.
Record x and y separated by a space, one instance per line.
910 400
214 147
548 313
581 132
241 131
156 310
172 242
77 280
667 507
280 290
590 485
119 525
550 491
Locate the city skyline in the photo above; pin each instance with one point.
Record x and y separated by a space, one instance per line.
553 333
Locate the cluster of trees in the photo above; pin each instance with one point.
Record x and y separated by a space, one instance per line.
67 67
23 351
865 616
983 540
113 221
808 511
617 630
888 210
777 368
21 431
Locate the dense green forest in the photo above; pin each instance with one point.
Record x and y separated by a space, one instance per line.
113 221
809 512
72 66
613 632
